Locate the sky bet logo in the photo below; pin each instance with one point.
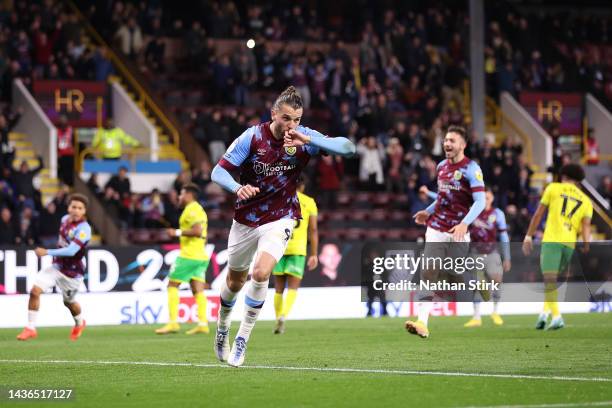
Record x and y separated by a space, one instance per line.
141 312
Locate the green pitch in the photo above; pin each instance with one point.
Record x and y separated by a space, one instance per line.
571 367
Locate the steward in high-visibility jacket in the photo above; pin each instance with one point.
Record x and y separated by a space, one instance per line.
110 141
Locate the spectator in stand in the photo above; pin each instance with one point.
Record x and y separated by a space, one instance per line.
93 184
8 120
172 209
110 141
103 67
111 202
65 151
27 230
23 179
605 188
121 183
129 37
329 173
371 154
201 177
153 210
183 178
50 221
591 149
8 235
395 174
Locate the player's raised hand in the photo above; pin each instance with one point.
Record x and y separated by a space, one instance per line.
459 232
313 262
247 191
421 217
506 265
423 190
40 252
294 138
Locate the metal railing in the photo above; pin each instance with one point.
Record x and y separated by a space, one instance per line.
132 154
143 98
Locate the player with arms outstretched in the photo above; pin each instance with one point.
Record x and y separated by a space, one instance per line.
192 262
290 269
569 214
269 157
67 270
460 200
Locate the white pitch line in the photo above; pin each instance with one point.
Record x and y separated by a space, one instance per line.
560 405
319 369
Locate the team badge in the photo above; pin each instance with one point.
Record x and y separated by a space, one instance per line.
457 175
71 234
479 175
491 219
82 235
290 150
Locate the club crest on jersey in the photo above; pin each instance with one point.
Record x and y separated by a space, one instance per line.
478 175
457 175
261 151
290 150
491 219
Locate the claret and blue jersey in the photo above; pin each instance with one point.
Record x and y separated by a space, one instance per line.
72 236
457 182
265 163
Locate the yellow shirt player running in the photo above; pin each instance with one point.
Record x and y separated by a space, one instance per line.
569 214
192 262
290 268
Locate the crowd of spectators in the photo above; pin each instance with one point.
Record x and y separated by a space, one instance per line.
550 51
41 39
24 220
157 209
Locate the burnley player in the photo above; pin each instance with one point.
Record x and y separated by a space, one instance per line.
67 269
484 233
460 200
269 158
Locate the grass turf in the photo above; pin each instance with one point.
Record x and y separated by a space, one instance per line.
582 349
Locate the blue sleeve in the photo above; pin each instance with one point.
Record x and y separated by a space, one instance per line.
223 178
430 209
474 176
82 234
476 208
70 250
502 228
240 148
335 145
432 194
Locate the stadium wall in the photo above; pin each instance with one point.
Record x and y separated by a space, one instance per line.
601 121
35 123
130 118
541 142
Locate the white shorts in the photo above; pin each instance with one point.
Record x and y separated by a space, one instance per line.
245 241
51 276
493 265
433 235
